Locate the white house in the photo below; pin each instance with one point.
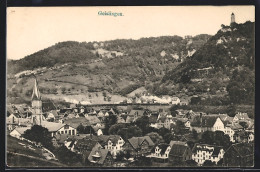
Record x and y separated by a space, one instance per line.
19 131
58 128
161 151
114 143
202 123
240 116
175 100
203 152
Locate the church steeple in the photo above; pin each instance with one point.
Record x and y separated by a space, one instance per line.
36 93
36 105
232 18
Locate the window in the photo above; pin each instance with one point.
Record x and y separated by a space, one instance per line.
69 132
62 132
65 131
73 132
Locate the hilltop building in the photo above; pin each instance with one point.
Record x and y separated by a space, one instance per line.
232 18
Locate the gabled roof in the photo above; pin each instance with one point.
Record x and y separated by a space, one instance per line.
52 126
92 119
178 150
241 116
243 149
21 130
113 138
162 146
61 138
235 126
206 147
86 143
204 121
152 119
136 112
136 142
173 143
102 153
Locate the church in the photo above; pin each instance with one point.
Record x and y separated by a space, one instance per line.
38 119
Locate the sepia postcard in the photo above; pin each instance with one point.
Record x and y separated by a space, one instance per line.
130 86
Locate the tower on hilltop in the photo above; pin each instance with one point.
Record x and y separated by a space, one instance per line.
36 105
232 18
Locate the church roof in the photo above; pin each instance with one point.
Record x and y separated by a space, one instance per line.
36 93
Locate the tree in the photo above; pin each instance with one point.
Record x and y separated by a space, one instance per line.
143 124
194 134
66 156
179 127
218 138
36 131
120 156
109 121
156 138
143 161
241 87
113 130
81 129
163 131
231 110
173 109
130 132
168 137
127 154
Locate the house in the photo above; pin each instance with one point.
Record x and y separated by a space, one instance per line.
164 120
58 128
59 139
180 152
75 122
203 152
239 155
231 128
101 115
14 117
121 120
79 115
161 152
138 146
243 136
93 120
134 114
184 102
113 143
101 157
175 100
86 144
53 114
185 121
226 118
19 131
202 123
240 117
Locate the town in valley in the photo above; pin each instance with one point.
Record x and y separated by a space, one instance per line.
192 116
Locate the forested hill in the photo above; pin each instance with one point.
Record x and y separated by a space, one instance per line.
225 62
231 47
172 47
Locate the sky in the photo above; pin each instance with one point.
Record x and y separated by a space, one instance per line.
30 29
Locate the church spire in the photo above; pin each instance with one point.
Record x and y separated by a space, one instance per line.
36 93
